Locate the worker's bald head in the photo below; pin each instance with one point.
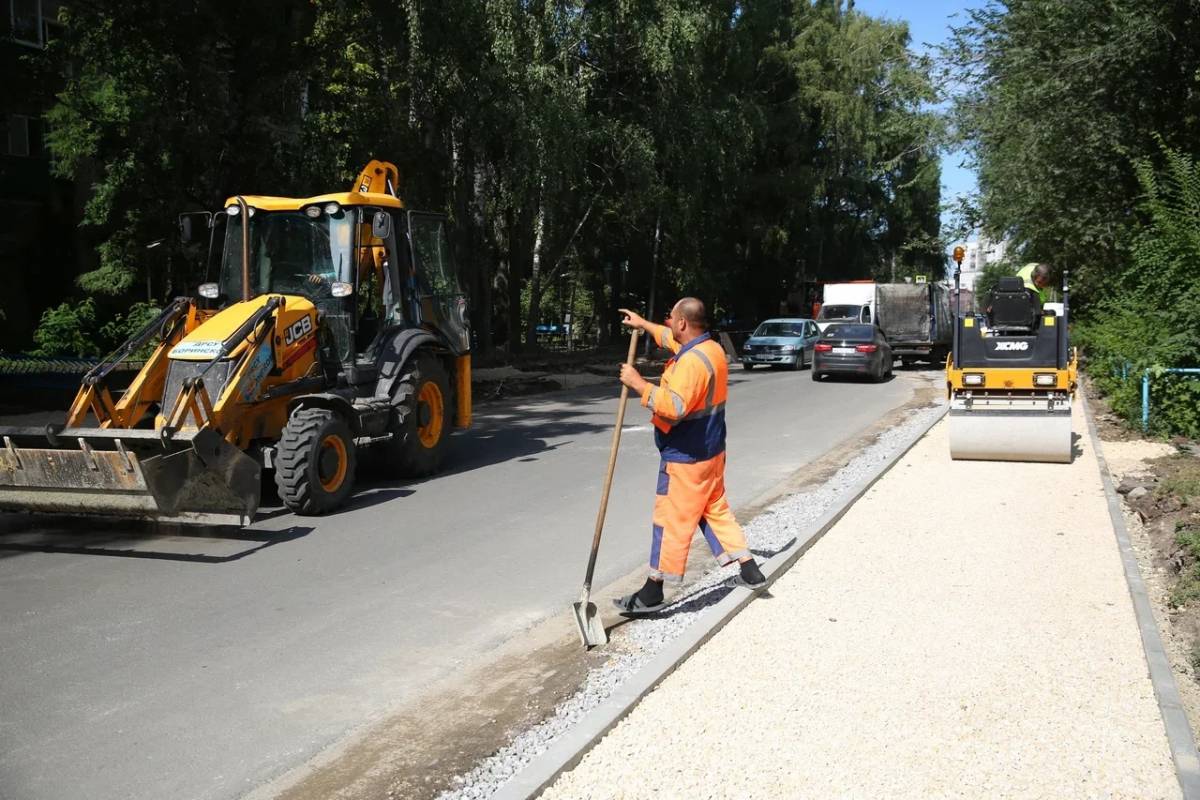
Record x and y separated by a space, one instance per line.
692 310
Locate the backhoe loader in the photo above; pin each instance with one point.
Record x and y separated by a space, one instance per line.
332 326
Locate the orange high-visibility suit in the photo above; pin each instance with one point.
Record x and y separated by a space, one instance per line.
689 420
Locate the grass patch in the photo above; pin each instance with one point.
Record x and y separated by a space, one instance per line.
1181 478
1187 589
1194 656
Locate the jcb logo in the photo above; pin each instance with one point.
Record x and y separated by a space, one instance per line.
1012 345
298 330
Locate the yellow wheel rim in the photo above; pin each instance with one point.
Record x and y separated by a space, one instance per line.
332 463
430 396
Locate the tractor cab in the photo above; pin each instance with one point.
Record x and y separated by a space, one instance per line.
366 263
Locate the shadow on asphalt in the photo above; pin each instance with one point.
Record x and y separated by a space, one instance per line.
700 599
207 544
518 430
506 431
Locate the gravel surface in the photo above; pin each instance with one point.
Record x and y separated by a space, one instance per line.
986 647
638 642
1128 457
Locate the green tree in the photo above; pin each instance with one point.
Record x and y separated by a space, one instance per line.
1156 323
1056 101
589 154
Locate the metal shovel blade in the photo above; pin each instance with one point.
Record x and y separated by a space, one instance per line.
591 627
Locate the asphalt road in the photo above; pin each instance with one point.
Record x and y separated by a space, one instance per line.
151 662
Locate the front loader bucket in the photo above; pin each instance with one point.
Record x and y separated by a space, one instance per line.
193 476
1011 429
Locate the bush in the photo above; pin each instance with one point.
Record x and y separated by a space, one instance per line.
67 330
1155 323
74 329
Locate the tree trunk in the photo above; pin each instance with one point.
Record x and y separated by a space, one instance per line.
520 256
653 276
535 278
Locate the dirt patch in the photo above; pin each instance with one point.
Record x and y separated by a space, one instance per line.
444 732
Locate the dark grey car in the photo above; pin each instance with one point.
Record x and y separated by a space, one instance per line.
852 350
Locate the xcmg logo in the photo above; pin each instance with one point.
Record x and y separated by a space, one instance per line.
1012 346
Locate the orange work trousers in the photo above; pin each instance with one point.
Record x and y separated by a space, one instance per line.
691 496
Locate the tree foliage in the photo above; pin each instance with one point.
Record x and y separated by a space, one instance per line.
1056 101
1156 323
1079 117
589 154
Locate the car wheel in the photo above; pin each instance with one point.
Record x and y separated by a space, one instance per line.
747 366
797 363
816 376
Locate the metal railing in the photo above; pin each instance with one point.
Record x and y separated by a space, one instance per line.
1146 387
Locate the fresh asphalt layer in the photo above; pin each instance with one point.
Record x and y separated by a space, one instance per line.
150 662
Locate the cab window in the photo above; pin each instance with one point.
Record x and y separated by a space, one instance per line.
432 252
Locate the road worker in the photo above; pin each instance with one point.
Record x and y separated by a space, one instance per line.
688 408
1036 278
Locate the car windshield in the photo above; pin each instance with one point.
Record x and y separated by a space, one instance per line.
852 332
290 253
780 329
840 312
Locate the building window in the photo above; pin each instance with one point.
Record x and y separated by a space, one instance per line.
22 136
25 18
18 135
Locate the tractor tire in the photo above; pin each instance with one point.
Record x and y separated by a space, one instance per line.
315 462
421 419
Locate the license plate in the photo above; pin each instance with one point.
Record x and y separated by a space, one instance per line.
843 351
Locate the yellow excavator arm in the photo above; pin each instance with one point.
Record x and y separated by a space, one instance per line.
378 177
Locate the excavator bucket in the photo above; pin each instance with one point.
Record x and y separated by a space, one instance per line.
1011 429
191 476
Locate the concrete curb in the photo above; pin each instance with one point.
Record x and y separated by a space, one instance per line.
570 748
1179 731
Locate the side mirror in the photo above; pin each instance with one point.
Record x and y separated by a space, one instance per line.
381 225
187 225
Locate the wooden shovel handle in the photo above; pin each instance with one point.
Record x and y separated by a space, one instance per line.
612 465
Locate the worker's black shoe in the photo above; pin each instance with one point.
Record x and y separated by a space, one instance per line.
651 593
646 600
750 575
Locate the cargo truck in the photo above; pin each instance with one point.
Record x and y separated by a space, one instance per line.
916 319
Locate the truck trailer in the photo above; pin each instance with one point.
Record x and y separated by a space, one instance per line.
916 319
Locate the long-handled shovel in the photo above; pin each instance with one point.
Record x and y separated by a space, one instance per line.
591 627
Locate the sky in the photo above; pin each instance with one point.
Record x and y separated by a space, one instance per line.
928 24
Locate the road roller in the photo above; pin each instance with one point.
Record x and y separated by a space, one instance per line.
1011 378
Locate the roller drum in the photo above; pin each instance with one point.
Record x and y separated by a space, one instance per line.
1011 429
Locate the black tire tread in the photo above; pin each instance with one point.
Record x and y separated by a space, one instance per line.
405 456
293 462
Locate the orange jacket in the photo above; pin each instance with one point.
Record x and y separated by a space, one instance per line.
689 402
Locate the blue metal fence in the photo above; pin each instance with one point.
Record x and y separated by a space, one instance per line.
1146 388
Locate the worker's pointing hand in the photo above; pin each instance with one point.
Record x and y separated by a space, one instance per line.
633 319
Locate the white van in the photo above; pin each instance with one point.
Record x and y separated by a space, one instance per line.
848 302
